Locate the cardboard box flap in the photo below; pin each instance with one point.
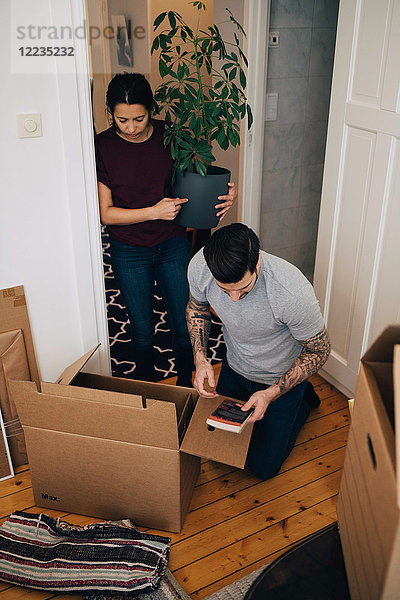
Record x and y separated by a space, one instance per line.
72 371
166 393
382 349
152 426
396 385
379 361
219 445
70 391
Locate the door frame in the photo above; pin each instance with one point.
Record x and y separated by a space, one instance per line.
88 247
74 99
257 16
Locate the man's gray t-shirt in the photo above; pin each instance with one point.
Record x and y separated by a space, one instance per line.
261 330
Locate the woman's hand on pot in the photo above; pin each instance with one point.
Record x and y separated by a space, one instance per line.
167 208
229 199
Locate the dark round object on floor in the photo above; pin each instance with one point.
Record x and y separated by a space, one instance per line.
313 570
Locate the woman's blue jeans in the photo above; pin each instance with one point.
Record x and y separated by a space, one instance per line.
135 269
275 434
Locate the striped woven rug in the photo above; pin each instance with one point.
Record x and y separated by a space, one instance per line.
42 553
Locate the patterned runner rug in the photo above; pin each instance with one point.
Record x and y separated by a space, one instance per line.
118 325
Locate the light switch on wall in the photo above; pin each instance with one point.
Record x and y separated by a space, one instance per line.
29 125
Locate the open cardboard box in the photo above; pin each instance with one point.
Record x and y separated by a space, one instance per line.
369 500
116 448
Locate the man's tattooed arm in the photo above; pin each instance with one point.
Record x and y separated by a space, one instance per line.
313 356
198 319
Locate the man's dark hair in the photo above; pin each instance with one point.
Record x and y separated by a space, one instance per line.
231 252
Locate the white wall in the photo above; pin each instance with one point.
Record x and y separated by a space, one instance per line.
43 192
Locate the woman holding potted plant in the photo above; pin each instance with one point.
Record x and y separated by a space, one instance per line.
134 170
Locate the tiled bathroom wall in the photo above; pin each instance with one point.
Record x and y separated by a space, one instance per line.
300 71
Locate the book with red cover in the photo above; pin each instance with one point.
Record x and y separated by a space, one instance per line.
229 416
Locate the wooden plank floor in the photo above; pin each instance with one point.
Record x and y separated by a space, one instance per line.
236 523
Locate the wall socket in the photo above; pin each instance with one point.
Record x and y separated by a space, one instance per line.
274 39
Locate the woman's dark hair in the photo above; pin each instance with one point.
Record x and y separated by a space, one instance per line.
128 88
231 252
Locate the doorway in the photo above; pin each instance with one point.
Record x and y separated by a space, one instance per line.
299 76
300 64
134 19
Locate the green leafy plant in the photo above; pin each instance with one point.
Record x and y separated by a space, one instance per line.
201 103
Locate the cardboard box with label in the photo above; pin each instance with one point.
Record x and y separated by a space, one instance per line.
369 500
116 448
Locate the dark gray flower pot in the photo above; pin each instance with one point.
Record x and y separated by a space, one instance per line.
202 192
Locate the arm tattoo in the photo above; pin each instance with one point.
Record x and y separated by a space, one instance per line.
198 319
313 356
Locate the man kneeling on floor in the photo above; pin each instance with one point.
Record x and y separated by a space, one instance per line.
274 334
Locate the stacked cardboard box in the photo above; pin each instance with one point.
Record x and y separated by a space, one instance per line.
369 500
17 361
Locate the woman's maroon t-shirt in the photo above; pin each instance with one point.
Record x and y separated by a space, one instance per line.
138 175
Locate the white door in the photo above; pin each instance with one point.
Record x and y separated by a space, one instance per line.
357 274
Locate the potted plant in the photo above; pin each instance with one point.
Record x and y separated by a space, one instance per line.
202 103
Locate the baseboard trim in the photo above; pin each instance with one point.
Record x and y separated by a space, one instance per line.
342 388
